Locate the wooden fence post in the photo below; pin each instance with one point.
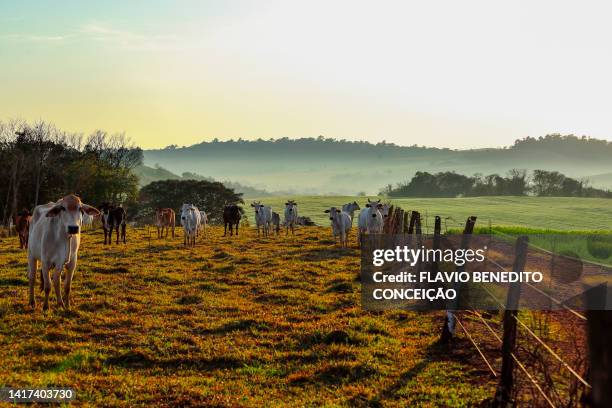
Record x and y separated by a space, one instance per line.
448 330
413 216
600 348
436 242
503 394
406 222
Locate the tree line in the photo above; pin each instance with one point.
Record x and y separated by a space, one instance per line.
541 183
41 163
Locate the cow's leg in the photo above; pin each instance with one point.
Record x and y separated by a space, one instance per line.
46 283
123 230
238 223
57 281
68 282
117 233
32 267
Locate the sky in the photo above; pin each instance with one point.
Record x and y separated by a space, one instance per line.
436 73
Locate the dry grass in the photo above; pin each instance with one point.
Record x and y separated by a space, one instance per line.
234 322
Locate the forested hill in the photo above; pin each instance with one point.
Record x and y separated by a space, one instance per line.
323 165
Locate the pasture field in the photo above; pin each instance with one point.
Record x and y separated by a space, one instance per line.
547 213
241 321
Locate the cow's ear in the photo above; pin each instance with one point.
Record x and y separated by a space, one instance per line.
252 205
53 212
338 211
326 211
286 203
368 205
379 206
89 210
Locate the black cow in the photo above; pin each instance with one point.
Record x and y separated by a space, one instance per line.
113 217
231 217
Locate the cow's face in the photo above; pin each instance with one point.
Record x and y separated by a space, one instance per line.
257 206
69 210
290 205
186 209
333 212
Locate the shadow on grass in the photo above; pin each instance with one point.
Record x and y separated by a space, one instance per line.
322 254
13 282
136 359
236 325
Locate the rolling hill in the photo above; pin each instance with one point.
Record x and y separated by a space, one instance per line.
329 166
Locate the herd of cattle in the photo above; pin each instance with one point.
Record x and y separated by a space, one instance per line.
51 233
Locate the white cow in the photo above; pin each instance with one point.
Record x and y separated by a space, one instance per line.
291 215
350 208
341 224
203 222
190 220
372 218
88 220
263 217
55 236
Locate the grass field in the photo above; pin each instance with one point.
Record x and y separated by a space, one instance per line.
234 322
551 213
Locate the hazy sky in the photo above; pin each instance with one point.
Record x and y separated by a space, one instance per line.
453 73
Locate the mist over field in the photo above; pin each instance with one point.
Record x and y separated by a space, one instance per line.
329 166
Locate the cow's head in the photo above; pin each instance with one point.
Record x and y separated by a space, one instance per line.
290 205
333 211
257 206
105 207
186 209
69 211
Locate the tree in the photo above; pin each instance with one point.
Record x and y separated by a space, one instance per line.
209 196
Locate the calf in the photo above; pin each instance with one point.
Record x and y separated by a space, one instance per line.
371 218
203 222
231 217
276 222
165 218
54 242
263 217
22 227
350 208
291 215
341 224
113 217
190 220
87 220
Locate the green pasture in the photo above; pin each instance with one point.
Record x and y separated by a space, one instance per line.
541 213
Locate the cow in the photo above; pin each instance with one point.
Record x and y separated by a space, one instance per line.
340 223
165 218
22 227
54 242
263 217
276 222
190 220
350 208
87 220
113 217
231 217
371 218
306 221
291 215
203 222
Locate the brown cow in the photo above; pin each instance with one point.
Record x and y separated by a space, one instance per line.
164 218
22 226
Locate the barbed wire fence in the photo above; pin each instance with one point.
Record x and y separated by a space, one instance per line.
541 358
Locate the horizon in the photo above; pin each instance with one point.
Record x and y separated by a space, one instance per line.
474 76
